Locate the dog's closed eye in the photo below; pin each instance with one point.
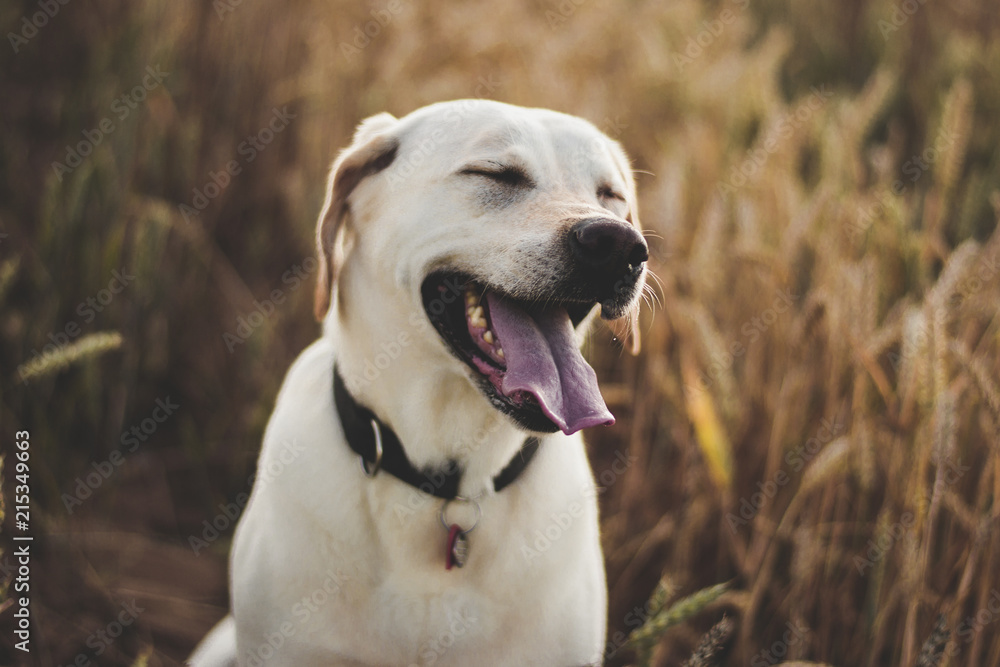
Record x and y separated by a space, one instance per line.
502 174
614 201
607 192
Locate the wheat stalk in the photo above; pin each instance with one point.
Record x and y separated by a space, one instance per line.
649 634
91 345
933 648
712 644
956 128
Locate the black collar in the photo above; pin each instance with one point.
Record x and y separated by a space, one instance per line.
364 429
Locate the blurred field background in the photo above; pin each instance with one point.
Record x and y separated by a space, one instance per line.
815 412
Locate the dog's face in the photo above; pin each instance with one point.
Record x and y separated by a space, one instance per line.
507 227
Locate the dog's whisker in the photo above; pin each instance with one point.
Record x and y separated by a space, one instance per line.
652 295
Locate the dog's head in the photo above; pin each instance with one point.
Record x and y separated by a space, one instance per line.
507 227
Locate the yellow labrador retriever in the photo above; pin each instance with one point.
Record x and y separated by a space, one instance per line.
422 445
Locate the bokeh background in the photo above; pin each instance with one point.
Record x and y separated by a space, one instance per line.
814 416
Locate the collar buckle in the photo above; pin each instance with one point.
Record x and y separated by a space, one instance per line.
371 469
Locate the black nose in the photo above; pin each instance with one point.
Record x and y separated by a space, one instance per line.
611 249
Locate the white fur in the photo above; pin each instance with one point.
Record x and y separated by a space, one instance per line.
369 552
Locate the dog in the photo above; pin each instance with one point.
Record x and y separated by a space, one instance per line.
423 495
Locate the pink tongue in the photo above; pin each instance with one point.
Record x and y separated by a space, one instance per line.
543 359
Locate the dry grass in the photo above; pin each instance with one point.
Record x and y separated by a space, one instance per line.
816 409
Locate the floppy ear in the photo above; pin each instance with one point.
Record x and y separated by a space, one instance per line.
372 150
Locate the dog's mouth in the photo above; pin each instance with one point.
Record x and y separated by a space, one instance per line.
524 353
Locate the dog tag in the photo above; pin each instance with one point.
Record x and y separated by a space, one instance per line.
458 548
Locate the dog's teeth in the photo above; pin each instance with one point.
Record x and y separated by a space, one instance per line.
477 317
488 337
499 353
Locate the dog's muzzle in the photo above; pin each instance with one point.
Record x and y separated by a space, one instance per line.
524 349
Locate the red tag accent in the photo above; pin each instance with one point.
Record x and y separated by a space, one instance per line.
449 554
